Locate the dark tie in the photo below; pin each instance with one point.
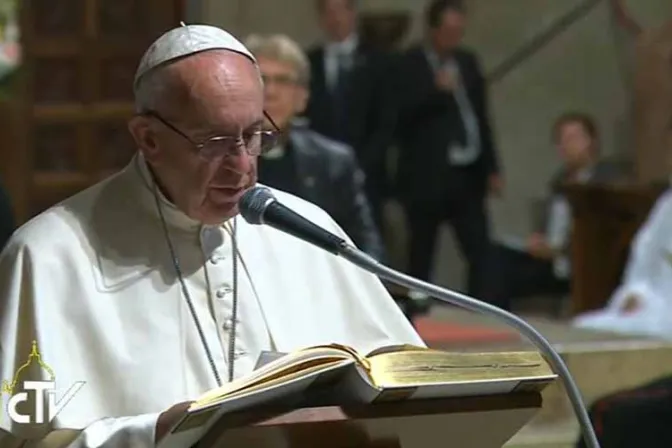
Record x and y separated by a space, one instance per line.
343 71
458 126
340 96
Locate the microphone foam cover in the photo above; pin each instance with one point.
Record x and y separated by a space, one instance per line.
254 202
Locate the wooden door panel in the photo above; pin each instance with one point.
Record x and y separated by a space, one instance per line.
54 148
79 60
123 18
115 145
115 75
49 18
57 79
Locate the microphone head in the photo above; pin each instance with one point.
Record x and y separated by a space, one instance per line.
254 202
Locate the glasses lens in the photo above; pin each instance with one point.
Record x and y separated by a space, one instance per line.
268 141
254 145
218 147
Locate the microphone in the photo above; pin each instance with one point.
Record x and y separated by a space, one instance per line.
259 206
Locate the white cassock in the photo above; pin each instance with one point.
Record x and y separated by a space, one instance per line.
91 280
648 276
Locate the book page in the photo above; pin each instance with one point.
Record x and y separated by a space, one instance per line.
307 370
284 366
292 392
394 349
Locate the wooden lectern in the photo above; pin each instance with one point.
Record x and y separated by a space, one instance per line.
481 421
606 218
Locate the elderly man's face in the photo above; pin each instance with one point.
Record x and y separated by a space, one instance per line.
222 97
284 96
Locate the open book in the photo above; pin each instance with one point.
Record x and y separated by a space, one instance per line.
338 375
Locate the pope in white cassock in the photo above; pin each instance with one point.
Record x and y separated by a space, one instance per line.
148 286
642 304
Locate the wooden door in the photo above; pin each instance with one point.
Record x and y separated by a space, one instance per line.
79 57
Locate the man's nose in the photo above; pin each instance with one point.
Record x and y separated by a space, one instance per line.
238 158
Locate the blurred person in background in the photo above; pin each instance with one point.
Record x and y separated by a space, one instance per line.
350 94
304 162
540 263
448 163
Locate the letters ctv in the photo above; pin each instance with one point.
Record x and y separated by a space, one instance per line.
35 401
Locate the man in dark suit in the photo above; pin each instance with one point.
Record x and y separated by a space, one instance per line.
350 97
448 163
540 265
306 163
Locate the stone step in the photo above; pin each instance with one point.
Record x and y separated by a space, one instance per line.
602 368
600 363
599 369
559 435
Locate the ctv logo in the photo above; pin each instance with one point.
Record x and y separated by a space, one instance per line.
34 394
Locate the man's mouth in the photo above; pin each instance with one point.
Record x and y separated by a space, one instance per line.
232 194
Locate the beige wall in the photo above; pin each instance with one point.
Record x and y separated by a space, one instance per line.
583 68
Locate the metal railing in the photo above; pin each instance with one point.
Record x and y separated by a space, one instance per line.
539 42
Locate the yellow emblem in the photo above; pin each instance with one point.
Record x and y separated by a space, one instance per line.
34 357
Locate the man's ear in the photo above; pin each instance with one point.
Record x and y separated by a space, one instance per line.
144 136
301 99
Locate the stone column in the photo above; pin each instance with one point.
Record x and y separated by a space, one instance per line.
653 105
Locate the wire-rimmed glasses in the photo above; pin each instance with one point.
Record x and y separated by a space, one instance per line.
255 142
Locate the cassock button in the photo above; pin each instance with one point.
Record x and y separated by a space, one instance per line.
223 291
228 324
214 259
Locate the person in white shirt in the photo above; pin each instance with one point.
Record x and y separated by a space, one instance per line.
149 288
540 264
641 305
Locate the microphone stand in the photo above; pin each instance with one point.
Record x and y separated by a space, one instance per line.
369 264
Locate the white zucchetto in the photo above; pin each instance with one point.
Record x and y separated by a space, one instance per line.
184 41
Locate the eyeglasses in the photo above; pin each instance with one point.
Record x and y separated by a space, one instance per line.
255 142
281 80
